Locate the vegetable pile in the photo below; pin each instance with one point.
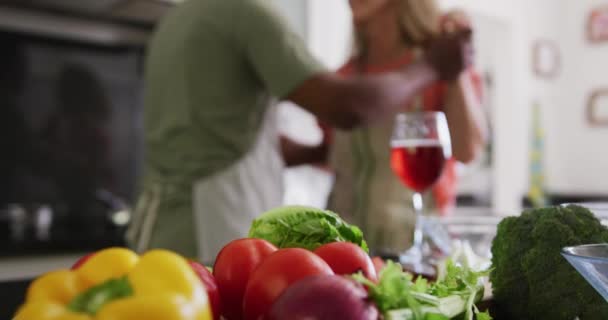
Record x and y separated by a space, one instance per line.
320 268
299 263
531 280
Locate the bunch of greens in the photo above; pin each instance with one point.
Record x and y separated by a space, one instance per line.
304 227
399 297
530 278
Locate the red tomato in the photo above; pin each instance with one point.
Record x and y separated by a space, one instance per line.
82 260
210 285
233 267
275 274
346 258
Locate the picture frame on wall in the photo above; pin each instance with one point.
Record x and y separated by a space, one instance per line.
597 108
597 25
546 59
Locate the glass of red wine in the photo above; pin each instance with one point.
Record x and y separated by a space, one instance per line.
420 146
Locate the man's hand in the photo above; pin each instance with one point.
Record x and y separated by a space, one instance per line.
296 154
450 54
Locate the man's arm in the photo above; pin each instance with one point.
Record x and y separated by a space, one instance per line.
288 70
350 102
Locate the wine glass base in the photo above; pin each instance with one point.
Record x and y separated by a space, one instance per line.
415 262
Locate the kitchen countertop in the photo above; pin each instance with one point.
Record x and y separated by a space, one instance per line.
30 257
30 264
29 267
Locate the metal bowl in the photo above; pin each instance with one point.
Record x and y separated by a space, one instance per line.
591 261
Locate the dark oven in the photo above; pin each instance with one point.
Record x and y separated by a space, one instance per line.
70 134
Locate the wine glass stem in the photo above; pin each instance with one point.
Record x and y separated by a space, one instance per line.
418 208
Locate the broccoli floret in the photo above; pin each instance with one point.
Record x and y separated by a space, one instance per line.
530 278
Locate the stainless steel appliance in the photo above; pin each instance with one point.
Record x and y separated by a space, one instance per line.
70 120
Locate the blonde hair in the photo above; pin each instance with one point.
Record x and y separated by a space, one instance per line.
418 21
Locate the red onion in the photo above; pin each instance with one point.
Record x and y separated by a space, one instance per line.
325 297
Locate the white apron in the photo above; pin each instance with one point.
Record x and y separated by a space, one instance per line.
220 207
226 203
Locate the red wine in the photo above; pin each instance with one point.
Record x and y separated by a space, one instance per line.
418 164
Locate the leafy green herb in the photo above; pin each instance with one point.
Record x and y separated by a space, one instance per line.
460 281
482 315
435 316
421 285
398 296
393 290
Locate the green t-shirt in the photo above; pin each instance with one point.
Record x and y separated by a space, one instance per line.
214 67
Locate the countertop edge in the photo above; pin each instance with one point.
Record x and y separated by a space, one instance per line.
30 267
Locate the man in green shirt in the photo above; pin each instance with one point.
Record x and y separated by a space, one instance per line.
213 160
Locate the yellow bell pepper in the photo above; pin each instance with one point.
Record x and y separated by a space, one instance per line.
117 284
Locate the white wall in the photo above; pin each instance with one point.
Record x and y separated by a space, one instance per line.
296 12
326 26
579 164
514 94
330 31
575 160
546 92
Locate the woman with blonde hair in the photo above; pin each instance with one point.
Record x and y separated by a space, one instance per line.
391 34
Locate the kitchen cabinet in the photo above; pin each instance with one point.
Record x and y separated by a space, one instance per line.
11 295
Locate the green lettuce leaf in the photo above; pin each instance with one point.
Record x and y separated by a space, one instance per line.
304 227
399 297
457 280
393 290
